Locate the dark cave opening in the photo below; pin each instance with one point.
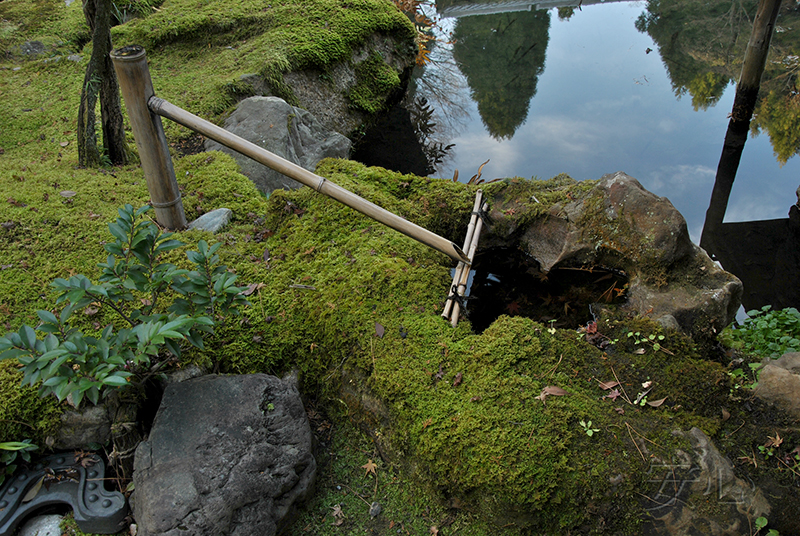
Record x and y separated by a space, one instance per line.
507 281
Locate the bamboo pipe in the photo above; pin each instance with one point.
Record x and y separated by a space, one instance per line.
448 306
130 64
462 285
320 184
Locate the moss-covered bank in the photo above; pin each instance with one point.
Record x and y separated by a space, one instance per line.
354 306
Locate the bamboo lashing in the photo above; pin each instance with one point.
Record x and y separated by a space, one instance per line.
182 117
448 306
462 284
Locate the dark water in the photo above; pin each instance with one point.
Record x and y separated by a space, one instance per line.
643 87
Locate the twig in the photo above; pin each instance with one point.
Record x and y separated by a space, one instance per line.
357 495
555 367
740 427
628 400
634 442
18 422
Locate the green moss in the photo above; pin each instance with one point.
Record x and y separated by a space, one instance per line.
23 414
375 81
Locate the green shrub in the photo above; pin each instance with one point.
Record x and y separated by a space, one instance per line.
767 333
133 285
10 450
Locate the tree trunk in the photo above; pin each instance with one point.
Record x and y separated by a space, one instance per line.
100 82
743 105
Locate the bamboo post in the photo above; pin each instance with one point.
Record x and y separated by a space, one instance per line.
462 284
320 184
130 64
448 306
744 103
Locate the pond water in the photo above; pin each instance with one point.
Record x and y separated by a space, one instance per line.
643 87
604 102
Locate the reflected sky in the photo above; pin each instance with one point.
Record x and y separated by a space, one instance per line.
603 105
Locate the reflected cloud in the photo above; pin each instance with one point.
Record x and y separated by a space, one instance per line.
680 178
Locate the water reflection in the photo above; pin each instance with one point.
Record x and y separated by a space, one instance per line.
702 45
502 57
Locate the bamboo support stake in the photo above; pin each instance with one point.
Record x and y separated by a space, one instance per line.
462 285
320 184
460 267
130 64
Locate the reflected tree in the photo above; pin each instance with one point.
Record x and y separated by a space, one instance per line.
702 45
502 57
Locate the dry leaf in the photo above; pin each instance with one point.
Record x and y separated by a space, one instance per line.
620 410
550 390
774 441
725 414
371 467
647 384
639 351
379 330
434 531
68 193
64 143
337 510
605 386
33 491
613 395
253 287
656 403
457 380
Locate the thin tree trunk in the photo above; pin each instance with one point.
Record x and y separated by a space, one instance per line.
100 82
744 103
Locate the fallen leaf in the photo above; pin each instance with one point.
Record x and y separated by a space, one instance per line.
550 390
371 467
613 395
656 403
337 510
68 193
620 410
513 308
605 386
640 351
64 143
379 330
33 491
647 384
253 287
433 530
725 414
475 399
457 380
266 255
774 441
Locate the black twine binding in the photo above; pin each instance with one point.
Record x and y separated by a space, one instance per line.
484 216
458 298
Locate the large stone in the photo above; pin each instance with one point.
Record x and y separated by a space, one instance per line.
289 132
619 224
83 427
327 93
779 384
227 455
703 476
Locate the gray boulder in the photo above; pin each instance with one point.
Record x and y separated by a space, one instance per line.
289 132
779 383
619 224
227 455
701 476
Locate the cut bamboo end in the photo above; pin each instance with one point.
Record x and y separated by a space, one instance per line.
461 266
461 285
